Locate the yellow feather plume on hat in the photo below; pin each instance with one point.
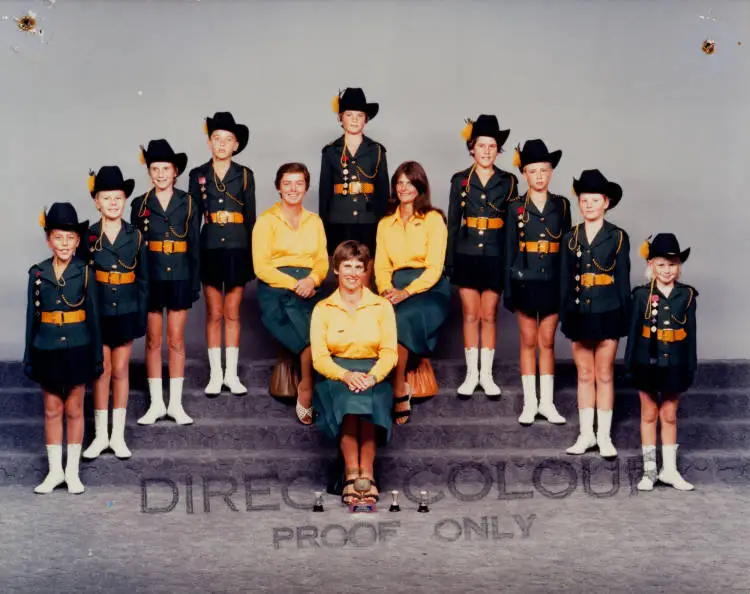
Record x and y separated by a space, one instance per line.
466 132
335 104
92 180
645 249
517 157
573 189
142 156
43 219
205 127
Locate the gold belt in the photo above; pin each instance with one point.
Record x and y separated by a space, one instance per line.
666 334
115 278
354 188
484 223
168 247
541 247
63 317
590 279
222 217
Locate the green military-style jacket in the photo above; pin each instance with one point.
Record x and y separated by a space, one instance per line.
236 194
127 254
607 255
77 290
656 321
524 224
368 166
469 198
180 222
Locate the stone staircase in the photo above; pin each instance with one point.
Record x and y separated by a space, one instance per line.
448 443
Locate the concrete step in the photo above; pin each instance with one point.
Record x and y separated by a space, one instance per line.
447 472
713 403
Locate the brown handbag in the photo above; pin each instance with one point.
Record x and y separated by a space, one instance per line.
284 379
422 380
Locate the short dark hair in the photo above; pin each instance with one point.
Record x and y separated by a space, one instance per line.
416 174
293 168
351 250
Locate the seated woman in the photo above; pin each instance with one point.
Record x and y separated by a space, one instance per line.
411 244
290 261
353 341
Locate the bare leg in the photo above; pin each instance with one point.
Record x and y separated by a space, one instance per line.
604 357
154 333
399 387
176 320
546 344
470 305
350 451
527 327
583 355
74 415
367 456
101 385
649 417
305 387
214 315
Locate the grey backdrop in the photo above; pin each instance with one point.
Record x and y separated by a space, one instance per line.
618 85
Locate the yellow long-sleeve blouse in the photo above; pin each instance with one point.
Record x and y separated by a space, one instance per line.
420 243
276 244
370 332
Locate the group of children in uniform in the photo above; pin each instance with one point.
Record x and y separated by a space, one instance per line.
109 284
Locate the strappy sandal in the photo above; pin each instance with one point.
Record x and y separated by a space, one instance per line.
304 413
403 414
369 496
349 493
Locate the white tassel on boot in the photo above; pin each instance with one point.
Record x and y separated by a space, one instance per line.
649 469
472 372
55 475
175 409
101 439
528 414
669 474
72 479
231 379
586 438
117 442
216 377
156 410
546 405
485 373
603 429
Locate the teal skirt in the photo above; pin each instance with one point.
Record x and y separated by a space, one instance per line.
332 399
285 315
419 318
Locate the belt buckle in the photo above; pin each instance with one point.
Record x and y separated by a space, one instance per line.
167 246
668 334
57 318
543 246
222 217
114 278
482 223
355 187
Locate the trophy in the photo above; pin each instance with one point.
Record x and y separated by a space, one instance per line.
318 507
362 486
423 508
395 507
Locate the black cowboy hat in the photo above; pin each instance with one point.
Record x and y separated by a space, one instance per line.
353 99
535 151
224 120
487 125
110 178
159 151
593 182
665 245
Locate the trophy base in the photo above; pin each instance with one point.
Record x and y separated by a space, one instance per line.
361 507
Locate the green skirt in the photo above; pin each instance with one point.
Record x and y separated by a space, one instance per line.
419 318
332 399
286 315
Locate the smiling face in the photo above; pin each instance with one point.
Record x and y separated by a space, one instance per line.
665 270
222 144
353 122
110 203
592 206
63 244
485 151
292 188
538 176
351 274
163 175
405 190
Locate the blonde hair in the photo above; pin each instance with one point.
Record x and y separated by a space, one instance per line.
649 273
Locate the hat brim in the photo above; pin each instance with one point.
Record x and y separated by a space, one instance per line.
552 158
682 256
127 187
611 190
369 109
500 136
240 131
180 162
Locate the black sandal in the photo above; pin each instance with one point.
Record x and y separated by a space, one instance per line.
352 494
403 413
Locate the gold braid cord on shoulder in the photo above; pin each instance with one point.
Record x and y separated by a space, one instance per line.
83 297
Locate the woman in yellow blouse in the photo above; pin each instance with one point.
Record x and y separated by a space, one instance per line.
353 339
411 243
290 261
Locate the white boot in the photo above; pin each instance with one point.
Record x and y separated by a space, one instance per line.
586 438
231 379
74 483
472 372
216 378
485 374
528 414
603 429
156 410
649 469
101 439
546 405
669 474
175 409
117 443
55 475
